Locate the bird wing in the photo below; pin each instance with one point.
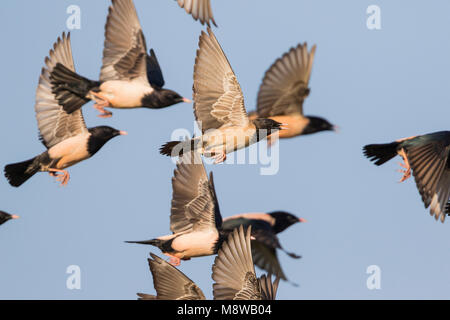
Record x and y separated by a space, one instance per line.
125 49
192 201
285 84
266 258
218 216
199 9
218 98
172 284
233 270
55 125
431 171
268 288
154 72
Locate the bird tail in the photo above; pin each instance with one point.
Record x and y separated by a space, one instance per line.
178 148
18 173
154 242
70 89
381 153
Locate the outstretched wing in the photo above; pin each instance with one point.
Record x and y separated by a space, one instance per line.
233 270
199 9
285 84
218 98
154 72
193 205
268 288
170 283
125 49
55 125
430 164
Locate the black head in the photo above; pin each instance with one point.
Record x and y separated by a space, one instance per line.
6 216
284 220
101 135
162 98
317 124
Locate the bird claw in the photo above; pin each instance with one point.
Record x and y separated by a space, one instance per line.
406 171
61 176
175 261
219 158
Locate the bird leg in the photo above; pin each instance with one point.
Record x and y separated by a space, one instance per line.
100 104
406 167
219 157
175 261
61 175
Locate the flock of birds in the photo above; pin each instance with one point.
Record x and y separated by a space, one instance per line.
131 77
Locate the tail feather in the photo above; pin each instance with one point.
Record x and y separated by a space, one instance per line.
154 242
18 173
381 153
70 89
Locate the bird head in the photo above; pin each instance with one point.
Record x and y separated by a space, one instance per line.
317 124
100 135
162 98
284 220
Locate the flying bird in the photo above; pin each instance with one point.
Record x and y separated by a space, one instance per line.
234 272
428 157
219 108
129 77
284 88
170 283
265 227
195 220
4 217
199 9
66 137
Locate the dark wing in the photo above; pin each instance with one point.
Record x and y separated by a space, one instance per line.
218 98
266 258
199 9
430 164
192 201
233 270
172 284
125 49
55 125
268 289
218 216
285 84
154 73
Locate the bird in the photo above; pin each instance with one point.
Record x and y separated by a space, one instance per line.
265 227
284 88
170 283
199 9
234 274
129 77
428 157
4 217
195 221
219 108
66 137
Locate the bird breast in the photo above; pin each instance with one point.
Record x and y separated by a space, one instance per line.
70 151
125 94
229 138
195 244
296 123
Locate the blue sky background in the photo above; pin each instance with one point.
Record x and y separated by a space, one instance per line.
376 85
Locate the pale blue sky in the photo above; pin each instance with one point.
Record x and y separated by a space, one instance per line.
376 85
